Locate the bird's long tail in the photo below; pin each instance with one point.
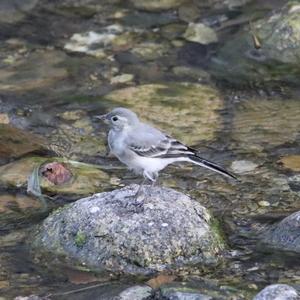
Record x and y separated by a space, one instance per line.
210 165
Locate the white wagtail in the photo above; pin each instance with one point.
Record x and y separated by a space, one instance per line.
145 149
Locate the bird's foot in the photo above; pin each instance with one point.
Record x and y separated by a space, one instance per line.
136 206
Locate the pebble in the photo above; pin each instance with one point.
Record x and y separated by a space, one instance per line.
264 203
243 166
200 33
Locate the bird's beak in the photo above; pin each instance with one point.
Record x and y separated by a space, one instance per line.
102 118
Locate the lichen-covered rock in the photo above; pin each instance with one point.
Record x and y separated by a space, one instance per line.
277 59
277 292
86 178
284 235
107 232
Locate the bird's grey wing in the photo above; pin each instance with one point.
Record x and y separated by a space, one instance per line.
150 142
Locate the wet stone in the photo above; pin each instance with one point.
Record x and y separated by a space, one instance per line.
94 43
86 178
15 142
284 236
195 289
37 69
12 11
4 119
17 209
150 51
172 31
188 12
122 78
277 58
156 5
291 162
277 292
138 292
200 33
109 232
192 73
259 124
243 166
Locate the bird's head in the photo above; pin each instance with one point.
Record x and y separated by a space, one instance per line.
119 118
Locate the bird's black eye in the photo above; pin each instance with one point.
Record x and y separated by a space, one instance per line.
115 118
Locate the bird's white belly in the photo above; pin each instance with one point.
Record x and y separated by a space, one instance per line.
150 164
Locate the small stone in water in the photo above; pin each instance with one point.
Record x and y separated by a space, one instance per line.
123 78
264 203
243 166
4 119
291 162
200 33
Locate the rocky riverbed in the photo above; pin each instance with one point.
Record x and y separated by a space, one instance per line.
221 76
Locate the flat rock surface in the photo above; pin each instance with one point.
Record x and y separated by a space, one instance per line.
107 232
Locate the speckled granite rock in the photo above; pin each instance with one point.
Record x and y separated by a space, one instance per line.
106 232
284 235
277 292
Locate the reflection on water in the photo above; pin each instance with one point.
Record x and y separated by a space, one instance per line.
52 91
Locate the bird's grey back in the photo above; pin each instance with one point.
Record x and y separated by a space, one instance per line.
144 135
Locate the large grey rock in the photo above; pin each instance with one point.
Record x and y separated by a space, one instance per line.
106 232
278 58
277 292
285 235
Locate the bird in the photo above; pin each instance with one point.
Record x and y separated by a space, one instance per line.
147 150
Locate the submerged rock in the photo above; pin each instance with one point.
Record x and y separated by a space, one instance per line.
260 124
17 209
12 11
276 59
277 292
189 111
291 162
284 236
156 5
150 51
4 119
95 43
33 70
107 232
137 292
200 33
197 289
243 166
15 142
